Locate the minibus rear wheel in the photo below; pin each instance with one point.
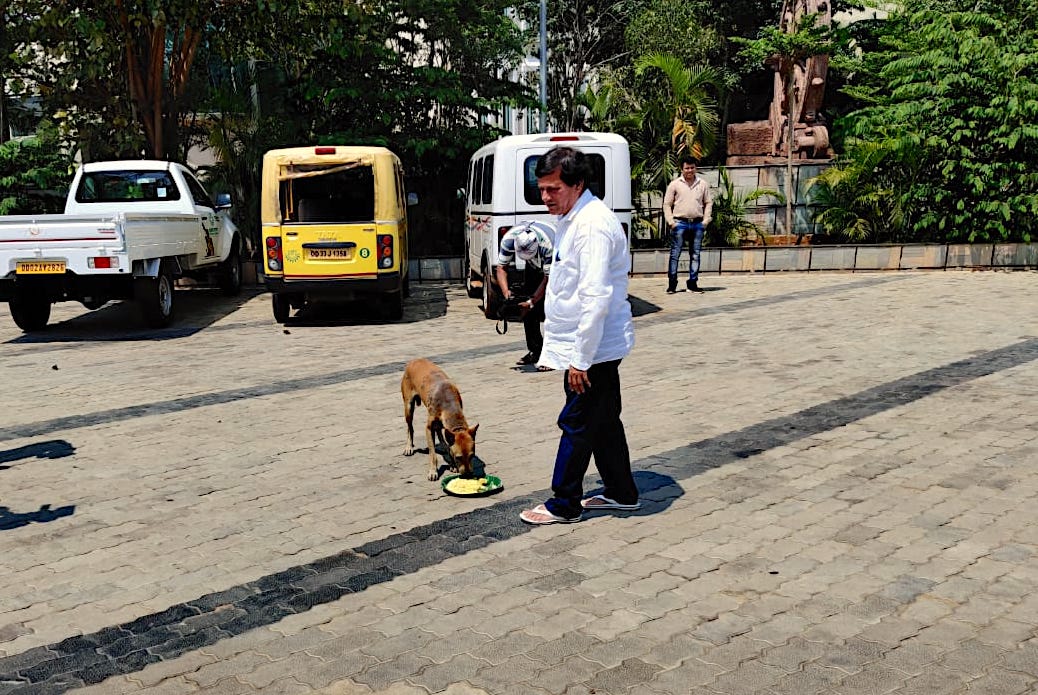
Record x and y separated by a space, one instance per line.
279 303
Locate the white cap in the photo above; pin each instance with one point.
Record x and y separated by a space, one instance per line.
526 245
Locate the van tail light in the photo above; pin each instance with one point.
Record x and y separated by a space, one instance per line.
563 138
501 231
385 250
324 150
275 260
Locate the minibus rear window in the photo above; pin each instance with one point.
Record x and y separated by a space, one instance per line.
341 197
596 185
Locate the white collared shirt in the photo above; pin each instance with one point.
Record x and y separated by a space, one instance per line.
587 315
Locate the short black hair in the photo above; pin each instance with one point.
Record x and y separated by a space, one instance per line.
689 160
573 164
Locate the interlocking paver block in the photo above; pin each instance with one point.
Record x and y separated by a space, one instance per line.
874 521
437 677
385 673
557 650
558 678
625 675
852 655
1002 682
874 679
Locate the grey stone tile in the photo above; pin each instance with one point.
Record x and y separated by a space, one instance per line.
626 675
438 677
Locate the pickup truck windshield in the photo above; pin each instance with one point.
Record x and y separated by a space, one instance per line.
126 186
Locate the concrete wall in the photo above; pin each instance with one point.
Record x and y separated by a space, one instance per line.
770 259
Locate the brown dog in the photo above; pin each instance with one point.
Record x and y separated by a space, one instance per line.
426 383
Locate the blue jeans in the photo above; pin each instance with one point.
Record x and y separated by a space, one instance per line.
677 242
590 424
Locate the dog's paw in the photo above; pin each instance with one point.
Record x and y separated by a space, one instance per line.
409 451
433 475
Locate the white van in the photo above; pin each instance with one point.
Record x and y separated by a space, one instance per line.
502 192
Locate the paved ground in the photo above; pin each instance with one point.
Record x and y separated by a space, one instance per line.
838 474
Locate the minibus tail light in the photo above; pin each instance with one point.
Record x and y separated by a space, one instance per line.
275 261
324 150
385 250
501 231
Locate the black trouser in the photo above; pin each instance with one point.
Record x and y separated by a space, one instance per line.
591 426
527 282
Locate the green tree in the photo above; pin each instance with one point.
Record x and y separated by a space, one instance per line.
585 37
34 174
945 146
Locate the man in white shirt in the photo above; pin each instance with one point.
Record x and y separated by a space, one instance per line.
587 331
687 207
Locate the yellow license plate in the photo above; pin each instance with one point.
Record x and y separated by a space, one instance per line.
40 267
329 254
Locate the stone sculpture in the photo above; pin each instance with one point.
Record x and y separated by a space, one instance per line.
766 142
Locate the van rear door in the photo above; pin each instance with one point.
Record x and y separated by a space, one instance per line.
328 221
528 197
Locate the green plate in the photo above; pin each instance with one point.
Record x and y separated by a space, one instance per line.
492 485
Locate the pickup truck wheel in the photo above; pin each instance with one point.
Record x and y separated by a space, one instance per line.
230 273
491 300
279 303
155 297
30 313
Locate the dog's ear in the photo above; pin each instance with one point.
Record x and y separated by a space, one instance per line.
472 430
449 436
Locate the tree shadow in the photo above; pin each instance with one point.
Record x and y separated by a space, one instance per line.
425 303
53 449
12 520
196 309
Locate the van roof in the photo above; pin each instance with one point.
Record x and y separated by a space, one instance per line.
552 139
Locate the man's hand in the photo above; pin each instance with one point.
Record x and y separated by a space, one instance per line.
578 381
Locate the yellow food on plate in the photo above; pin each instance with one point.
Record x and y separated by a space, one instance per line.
466 486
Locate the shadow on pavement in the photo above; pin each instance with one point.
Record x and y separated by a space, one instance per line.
656 491
12 520
195 309
640 307
53 449
425 303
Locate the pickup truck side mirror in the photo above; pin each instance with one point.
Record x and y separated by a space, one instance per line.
223 201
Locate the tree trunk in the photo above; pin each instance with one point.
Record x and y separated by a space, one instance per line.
789 155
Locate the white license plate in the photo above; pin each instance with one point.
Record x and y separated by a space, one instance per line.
329 254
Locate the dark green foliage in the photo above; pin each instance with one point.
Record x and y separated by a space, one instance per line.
944 149
34 176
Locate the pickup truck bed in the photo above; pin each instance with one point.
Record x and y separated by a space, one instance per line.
130 250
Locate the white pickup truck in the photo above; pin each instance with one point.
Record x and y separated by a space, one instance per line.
130 229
